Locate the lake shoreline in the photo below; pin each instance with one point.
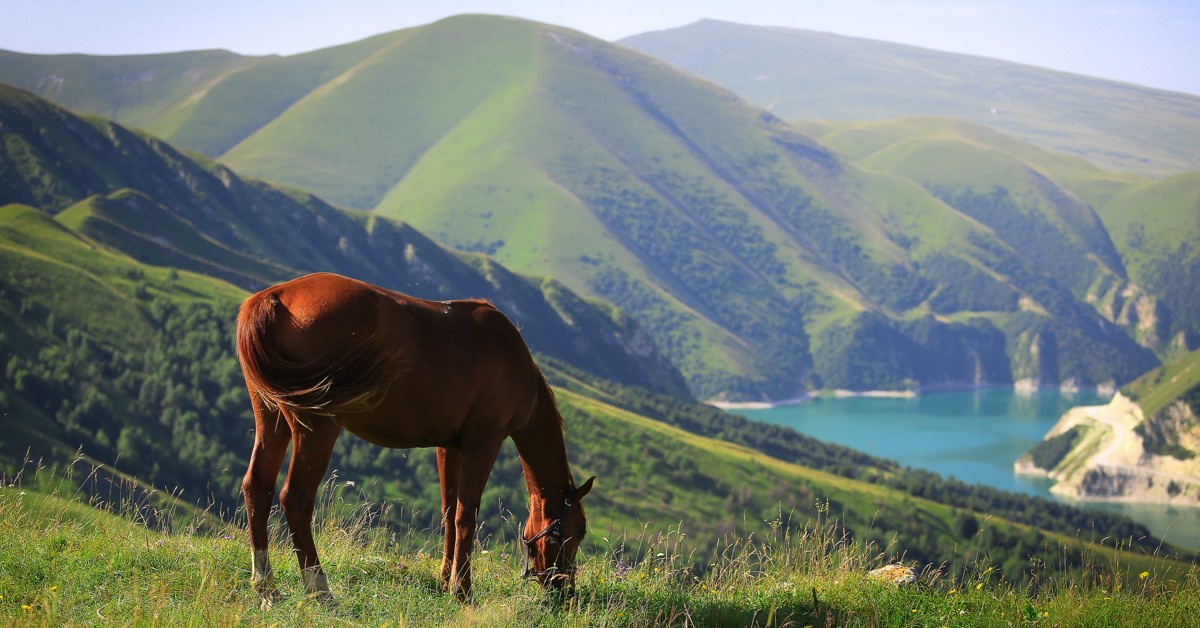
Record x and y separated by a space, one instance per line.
1022 387
972 434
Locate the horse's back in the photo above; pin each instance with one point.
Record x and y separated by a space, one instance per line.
432 370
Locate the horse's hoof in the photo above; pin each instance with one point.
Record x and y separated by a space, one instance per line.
324 598
270 596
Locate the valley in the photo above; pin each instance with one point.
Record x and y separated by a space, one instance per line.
658 241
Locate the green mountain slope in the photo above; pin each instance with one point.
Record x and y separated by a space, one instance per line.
132 364
799 74
1132 258
1156 226
761 263
132 361
138 89
158 206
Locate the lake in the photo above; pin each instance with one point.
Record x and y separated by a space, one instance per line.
974 436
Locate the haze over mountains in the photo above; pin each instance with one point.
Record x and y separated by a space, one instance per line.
806 75
761 261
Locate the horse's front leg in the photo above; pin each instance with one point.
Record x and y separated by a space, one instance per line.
475 465
312 447
448 465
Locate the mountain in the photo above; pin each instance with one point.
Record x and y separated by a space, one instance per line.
1156 226
115 321
1140 447
1133 258
799 74
132 365
157 205
760 262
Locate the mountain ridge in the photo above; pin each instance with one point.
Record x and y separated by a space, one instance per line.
800 74
743 246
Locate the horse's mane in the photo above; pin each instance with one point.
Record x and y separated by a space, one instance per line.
546 396
351 381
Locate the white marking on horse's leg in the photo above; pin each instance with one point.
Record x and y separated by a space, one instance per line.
262 579
260 570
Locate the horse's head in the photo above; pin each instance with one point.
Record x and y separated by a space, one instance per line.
551 544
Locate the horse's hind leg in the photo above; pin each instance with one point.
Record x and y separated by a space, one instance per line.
271 436
448 463
312 446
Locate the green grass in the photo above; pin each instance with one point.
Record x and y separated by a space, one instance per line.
1152 220
1160 387
94 289
70 559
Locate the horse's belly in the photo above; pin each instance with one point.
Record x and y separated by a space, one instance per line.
400 435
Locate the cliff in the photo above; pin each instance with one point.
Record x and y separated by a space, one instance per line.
1114 452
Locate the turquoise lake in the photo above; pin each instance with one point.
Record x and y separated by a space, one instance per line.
974 436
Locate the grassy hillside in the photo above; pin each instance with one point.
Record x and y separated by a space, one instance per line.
1131 257
1156 226
161 207
107 564
1173 381
126 360
760 263
799 74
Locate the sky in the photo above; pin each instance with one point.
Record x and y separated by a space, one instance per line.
1155 43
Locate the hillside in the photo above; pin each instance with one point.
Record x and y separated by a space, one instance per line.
107 563
144 198
760 263
1132 257
1156 226
155 373
799 74
1141 447
113 352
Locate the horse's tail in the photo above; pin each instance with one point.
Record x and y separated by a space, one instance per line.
354 380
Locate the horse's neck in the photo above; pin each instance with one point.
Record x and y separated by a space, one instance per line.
544 458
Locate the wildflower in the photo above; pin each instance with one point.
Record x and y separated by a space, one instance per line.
27 608
54 588
979 586
952 592
1143 575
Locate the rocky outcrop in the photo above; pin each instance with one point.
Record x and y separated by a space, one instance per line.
1109 459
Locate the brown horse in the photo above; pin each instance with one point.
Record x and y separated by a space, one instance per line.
323 352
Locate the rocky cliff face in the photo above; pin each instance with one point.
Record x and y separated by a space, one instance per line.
1115 453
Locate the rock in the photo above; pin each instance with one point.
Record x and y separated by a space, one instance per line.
896 574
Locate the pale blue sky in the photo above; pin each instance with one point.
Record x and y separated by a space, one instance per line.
1154 43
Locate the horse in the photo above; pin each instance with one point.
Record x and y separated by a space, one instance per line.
322 353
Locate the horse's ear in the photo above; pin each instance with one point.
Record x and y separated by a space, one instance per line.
585 489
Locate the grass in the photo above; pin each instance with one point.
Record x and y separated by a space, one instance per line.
73 556
1158 388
